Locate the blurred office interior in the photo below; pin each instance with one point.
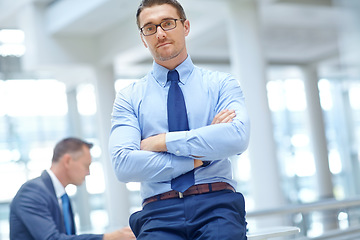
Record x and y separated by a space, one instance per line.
298 62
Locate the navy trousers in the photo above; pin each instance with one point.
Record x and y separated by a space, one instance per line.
210 216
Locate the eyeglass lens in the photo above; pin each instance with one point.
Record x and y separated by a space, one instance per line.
166 25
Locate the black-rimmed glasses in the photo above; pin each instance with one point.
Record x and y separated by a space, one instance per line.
166 25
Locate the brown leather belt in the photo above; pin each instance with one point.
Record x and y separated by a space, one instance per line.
193 190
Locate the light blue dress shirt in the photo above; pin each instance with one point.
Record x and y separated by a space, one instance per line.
140 111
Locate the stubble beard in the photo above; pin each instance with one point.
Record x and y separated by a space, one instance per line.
165 57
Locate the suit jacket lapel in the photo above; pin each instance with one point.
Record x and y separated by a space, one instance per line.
50 187
48 183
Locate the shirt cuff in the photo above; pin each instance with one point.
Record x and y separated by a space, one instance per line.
176 143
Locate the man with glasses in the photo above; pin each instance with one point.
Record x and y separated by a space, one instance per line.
174 131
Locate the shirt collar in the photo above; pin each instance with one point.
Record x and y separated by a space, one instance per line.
59 188
159 72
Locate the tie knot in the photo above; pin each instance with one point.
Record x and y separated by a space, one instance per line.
65 198
173 76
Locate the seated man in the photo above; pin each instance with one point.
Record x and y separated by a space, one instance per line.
41 209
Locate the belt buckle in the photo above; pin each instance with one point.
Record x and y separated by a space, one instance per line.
181 195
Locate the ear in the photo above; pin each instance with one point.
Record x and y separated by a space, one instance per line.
142 39
187 27
66 158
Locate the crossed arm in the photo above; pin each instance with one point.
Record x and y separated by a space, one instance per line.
157 143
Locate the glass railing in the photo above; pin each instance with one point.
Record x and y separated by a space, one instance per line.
318 220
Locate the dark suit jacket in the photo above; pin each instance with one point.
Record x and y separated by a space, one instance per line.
35 213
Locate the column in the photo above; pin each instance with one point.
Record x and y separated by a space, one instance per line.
81 198
349 38
117 196
317 133
248 66
319 143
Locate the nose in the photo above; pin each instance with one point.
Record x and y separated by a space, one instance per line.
160 33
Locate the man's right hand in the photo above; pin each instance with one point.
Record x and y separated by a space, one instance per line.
121 234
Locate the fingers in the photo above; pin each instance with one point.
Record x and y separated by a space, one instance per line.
120 234
197 163
225 116
127 234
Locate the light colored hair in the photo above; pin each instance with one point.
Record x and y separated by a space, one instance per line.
69 145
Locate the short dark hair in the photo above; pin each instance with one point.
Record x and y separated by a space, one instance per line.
69 145
149 3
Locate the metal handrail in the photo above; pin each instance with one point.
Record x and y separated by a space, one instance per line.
307 207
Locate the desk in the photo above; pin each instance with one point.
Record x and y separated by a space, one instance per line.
272 232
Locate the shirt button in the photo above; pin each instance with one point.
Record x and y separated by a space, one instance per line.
177 152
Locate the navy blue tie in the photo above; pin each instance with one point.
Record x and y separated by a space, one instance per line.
178 121
66 213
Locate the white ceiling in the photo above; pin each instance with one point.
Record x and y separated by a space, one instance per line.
293 31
